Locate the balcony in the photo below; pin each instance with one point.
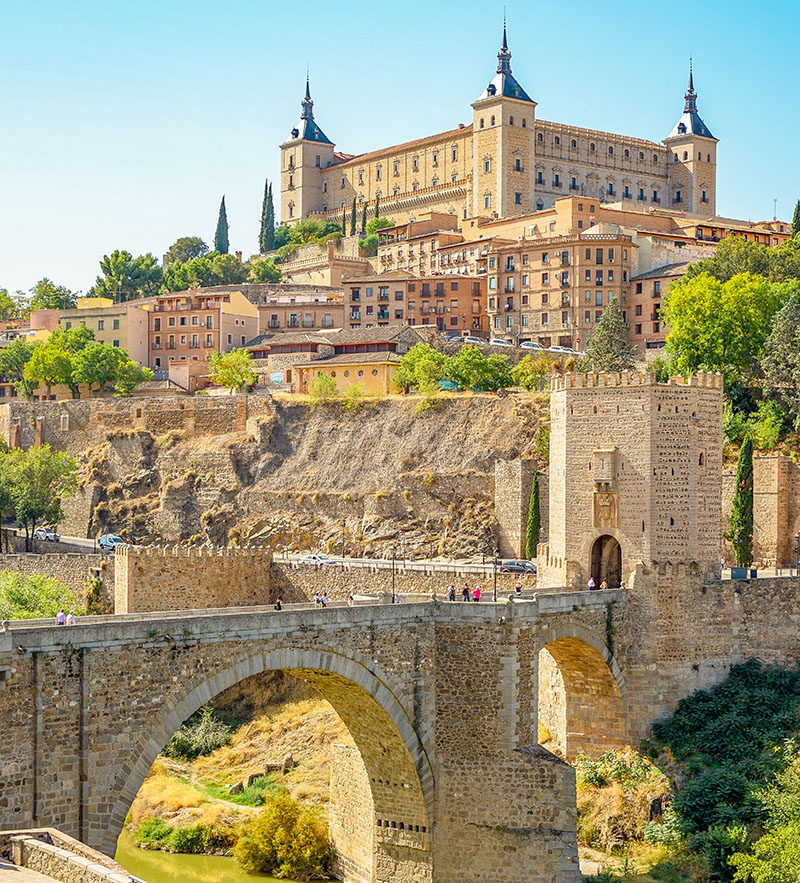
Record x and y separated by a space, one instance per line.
193 346
383 314
209 343
156 346
274 325
170 346
565 281
355 317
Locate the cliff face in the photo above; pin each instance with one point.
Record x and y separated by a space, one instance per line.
303 478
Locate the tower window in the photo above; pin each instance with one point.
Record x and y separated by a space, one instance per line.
415 164
573 144
517 199
524 124
517 165
685 154
591 147
511 121
487 201
487 165
454 154
481 125
540 137
492 121
708 157
317 161
704 197
435 157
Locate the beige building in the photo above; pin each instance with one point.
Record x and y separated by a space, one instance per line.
505 163
123 324
193 324
309 312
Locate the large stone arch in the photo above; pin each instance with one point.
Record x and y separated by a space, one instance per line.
584 565
396 777
582 697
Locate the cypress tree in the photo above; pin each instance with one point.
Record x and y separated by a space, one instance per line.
534 520
740 531
262 234
270 240
364 220
221 235
344 221
353 218
377 205
796 220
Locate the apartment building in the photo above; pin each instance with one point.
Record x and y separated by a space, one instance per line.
193 324
646 327
309 312
451 304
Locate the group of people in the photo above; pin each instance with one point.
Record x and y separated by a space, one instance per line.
65 618
466 594
592 586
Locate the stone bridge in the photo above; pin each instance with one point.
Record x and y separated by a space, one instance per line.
440 699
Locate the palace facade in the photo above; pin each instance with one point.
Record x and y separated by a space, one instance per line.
505 164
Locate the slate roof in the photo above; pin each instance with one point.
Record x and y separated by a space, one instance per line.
667 270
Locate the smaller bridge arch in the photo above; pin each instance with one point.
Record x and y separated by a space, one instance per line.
397 767
582 698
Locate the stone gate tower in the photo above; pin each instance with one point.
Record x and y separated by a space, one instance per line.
635 476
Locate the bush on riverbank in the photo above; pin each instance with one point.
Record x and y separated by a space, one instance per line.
203 732
286 839
155 833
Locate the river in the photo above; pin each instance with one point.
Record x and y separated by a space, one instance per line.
156 866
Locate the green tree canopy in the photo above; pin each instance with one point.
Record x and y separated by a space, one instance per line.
103 365
126 277
39 479
221 243
421 368
46 295
52 362
609 348
211 269
13 359
9 307
720 326
265 270
282 232
531 370
232 370
796 219
184 249
266 235
780 361
534 520
740 526
471 368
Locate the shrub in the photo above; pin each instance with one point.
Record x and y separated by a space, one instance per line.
202 733
323 388
152 830
170 438
286 840
543 442
353 398
34 597
189 839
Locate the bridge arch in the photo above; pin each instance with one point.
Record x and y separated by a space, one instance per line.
582 697
399 775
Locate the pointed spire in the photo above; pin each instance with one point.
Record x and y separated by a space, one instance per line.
504 56
691 96
307 104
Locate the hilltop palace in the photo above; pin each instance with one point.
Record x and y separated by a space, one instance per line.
505 164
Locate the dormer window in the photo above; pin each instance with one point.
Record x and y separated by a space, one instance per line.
681 128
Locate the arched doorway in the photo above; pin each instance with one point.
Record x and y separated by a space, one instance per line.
581 704
385 787
607 561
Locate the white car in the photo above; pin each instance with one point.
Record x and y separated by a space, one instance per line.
496 341
479 340
531 345
564 350
45 533
316 558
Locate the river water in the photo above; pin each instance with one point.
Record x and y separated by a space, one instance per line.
156 866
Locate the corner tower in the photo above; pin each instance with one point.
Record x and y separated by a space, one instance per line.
304 154
503 144
692 160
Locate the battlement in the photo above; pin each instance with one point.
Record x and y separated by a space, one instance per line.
251 553
701 380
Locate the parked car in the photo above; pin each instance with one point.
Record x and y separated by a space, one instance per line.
531 345
316 558
451 336
518 567
46 533
563 350
479 340
109 541
497 341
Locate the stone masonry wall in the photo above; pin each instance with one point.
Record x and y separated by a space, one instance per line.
74 570
513 480
162 578
350 816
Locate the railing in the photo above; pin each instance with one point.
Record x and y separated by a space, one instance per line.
156 346
170 346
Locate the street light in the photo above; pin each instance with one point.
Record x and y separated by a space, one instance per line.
394 556
495 562
797 553
343 538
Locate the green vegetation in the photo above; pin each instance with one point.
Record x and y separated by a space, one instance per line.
531 372
265 271
423 367
796 219
305 232
609 348
369 242
198 838
34 597
257 793
126 277
204 271
780 361
740 531
353 400
322 389
185 249
266 235
221 244
46 295
534 520
204 732
232 370
287 840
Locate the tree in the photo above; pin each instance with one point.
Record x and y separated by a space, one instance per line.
472 369
353 214
232 370
530 371
740 526
364 219
185 249
262 233
609 348
8 306
40 479
344 219
52 362
103 365
270 231
282 232
377 207
796 219
212 269
369 244
13 359
421 367
720 326
780 361
534 520
323 388
221 234
734 255
126 277
265 271
129 375
46 295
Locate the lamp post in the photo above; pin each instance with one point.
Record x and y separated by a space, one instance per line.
495 562
797 554
343 538
394 557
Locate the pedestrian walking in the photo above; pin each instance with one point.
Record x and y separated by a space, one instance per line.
590 585
517 590
324 599
451 593
61 617
465 593
71 618
476 593
317 599
397 598
604 585
351 600
279 603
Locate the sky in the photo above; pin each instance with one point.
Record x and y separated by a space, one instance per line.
123 122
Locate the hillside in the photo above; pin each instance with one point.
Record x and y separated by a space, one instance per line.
302 471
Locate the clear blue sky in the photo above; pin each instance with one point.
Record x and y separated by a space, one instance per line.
122 124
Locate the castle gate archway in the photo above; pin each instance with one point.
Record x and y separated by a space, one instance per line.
607 561
581 694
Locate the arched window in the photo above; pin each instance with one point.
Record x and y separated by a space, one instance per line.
524 123
685 154
610 150
626 153
454 177
641 154
435 182
591 147
395 191
492 122
511 121
481 125
540 137
708 157
655 157
573 143
557 140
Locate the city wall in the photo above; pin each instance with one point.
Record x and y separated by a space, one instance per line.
153 578
75 570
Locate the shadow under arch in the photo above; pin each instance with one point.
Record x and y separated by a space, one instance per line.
399 772
582 697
